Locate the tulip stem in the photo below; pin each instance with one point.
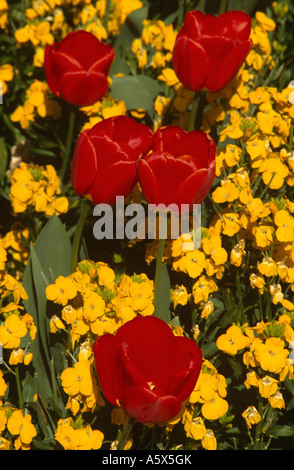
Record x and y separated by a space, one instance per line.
78 236
194 112
125 434
68 145
158 272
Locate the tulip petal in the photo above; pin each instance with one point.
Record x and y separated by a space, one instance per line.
82 88
187 369
84 46
225 58
104 350
146 341
190 63
84 165
118 179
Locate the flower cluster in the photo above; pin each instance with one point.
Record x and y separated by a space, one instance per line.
38 188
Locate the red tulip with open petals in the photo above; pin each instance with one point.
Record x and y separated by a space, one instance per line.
77 67
104 160
209 50
179 170
146 369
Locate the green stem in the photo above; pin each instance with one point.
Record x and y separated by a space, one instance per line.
158 272
78 236
18 386
222 7
193 113
125 434
69 138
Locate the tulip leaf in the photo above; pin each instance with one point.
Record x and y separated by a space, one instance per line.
3 159
137 91
35 285
53 249
130 30
163 297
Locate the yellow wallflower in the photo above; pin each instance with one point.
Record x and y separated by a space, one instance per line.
23 114
271 354
251 416
209 441
94 307
232 341
267 267
180 296
267 386
77 379
266 23
6 75
12 331
273 172
192 263
276 400
16 356
226 192
285 226
168 75
203 288
263 236
62 290
195 428
22 426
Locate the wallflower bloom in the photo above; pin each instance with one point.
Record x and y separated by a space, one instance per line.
251 416
209 50
271 355
77 67
103 165
149 378
21 425
180 169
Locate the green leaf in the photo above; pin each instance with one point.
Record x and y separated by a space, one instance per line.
281 431
3 159
163 300
130 30
53 249
137 91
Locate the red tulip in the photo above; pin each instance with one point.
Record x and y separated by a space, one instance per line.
76 68
209 50
104 160
180 169
146 369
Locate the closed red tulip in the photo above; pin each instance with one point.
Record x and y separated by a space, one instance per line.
77 67
179 170
209 50
146 369
104 160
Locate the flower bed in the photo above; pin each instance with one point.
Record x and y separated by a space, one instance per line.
113 333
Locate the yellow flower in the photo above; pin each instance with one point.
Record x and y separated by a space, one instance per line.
168 75
252 379
192 263
285 224
232 341
267 386
216 408
180 296
94 306
140 52
65 434
273 172
212 246
276 400
56 324
251 416
16 356
263 235
12 331
61 291
267 267
21 425
203 288
271 355
264 21
23 114
195 428
209 441
77 379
